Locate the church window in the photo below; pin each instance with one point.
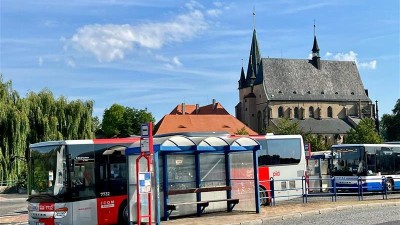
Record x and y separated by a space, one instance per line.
280 92
294 92
322 92
330 112
311 112
352 93
336 93
296 112
280 112
308 92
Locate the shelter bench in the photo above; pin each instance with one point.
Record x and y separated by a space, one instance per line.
203 204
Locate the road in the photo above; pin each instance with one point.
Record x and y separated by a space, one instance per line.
13 209
367 216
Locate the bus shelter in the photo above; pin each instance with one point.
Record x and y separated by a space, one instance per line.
197 174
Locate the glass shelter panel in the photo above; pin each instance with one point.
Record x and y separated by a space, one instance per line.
212 170
181 172
242 180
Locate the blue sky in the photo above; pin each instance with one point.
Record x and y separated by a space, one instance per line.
156 54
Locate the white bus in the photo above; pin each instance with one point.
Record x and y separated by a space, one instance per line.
281 157
374 163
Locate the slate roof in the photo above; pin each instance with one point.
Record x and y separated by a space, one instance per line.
299 79
323 126
200 123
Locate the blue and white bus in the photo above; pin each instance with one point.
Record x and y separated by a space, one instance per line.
373 163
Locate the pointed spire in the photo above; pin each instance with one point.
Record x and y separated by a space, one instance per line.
254 58
315 52
242 81
315 48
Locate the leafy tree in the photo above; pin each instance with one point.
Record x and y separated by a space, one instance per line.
285 127
119 121
317 142
35 118
242 131
364 133
391 124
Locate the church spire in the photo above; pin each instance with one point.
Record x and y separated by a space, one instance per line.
242 81
315 52
254 58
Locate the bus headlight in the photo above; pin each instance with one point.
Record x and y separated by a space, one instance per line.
60 212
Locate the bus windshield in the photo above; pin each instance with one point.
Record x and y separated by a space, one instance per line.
349 161
48 170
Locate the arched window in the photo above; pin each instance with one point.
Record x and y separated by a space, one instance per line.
311 112
330 114
280 112
296 112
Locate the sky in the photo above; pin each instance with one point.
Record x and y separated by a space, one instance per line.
156 54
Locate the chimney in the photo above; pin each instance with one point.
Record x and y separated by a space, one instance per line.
197 109
183 108
214 105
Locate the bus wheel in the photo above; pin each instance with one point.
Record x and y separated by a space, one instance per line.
389 185
264 200
123 213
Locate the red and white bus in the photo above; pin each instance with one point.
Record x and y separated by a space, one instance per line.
281 157
78 182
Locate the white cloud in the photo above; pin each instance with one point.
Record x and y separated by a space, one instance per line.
214 12
352 56
40 61
368 65
169 63
112 41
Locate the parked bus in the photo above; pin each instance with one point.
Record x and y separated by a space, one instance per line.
78 182
371 162
282 157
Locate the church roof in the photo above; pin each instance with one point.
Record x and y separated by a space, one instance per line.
299 79
322 126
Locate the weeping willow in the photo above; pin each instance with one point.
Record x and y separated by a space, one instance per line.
37 117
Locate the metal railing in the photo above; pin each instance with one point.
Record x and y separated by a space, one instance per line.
338 186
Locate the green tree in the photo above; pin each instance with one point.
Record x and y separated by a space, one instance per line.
391 124
317 142
286 127
364 133
35 118
242 131
120 121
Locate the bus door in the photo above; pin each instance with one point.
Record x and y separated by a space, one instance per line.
82 191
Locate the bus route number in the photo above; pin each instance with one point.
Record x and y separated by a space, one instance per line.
276 174
103 194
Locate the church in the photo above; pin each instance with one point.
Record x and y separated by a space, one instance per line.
325 97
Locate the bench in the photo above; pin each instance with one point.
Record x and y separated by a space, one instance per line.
231 202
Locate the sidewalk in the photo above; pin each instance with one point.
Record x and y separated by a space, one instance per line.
280 212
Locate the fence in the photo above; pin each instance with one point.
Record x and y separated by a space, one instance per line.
358 187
